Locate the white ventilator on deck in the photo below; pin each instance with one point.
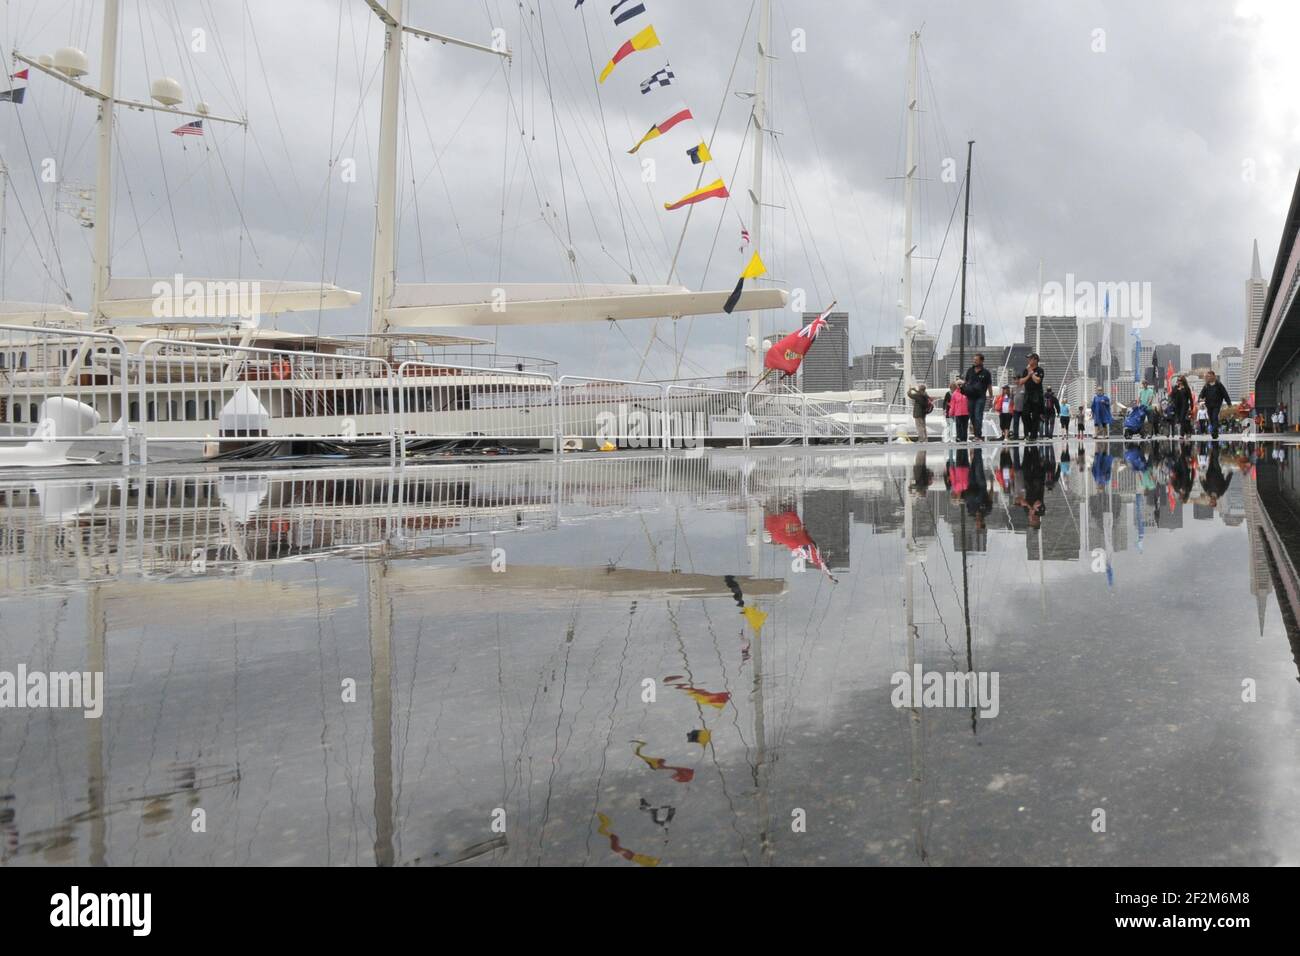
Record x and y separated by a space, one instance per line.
485 303
242 495
244 414
61 419
61 501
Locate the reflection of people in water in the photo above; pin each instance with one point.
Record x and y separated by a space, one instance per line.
978 500
1180 472
957 475
1214 481
614 844
680 774
922 476
1035 477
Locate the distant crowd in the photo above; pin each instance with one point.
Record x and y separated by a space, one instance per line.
1025 407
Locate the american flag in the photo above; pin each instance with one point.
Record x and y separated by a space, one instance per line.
744 236
189 129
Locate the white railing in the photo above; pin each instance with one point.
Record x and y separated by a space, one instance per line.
175 391
196 392
620 412
39 363
698 414
453 403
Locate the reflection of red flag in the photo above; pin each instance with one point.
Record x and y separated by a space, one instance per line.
786 354
787 529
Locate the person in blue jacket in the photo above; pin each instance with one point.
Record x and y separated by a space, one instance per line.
1101 413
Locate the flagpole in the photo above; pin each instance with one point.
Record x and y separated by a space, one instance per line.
909 178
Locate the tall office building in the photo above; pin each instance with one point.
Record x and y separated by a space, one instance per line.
1228 366
1256 291
950 366
1058 349
974 337
1144 362
826 366
925 367
1201 360
1121 354
1164 354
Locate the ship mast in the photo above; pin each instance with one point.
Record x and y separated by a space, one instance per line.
104 166
383 277
66 67
909 181
759 118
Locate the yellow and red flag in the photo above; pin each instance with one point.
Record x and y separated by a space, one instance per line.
644 40
714 190
660 128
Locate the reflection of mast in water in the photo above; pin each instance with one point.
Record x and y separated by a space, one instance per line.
912 555
379 617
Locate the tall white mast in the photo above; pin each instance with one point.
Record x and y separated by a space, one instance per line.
909 181
104 170
4 190
384 267
753 357
1038 313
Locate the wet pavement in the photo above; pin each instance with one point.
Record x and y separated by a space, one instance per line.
644 660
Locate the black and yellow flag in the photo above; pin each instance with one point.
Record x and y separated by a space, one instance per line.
752 271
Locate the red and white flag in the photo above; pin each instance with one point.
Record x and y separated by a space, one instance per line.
787 354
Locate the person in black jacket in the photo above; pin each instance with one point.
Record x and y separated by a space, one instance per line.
1213 395
977 383
1181 397
1031 379
1213 480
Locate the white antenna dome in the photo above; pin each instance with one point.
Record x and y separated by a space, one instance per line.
201 107
45 60
71 62
166 91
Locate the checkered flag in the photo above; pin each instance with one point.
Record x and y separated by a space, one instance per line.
662 77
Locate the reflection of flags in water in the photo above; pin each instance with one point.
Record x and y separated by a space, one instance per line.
786 355
1107 530
614 844
1140 519
787 530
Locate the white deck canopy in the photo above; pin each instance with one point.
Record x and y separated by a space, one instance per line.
185 297
486 303
40 313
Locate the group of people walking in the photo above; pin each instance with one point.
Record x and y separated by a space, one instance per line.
1025 404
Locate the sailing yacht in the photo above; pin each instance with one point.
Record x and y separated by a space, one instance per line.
200 363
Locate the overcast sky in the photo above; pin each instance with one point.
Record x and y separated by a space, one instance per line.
1142 142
